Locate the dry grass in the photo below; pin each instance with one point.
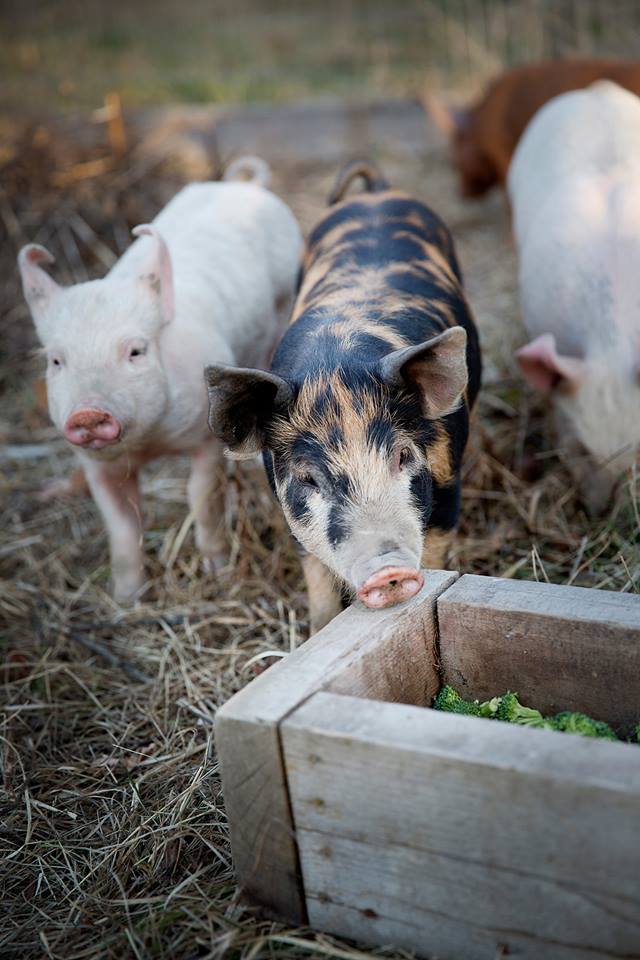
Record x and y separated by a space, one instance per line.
114 836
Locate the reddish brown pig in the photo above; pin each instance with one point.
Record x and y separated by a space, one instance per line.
483 136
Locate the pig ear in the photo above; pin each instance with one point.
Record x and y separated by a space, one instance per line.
545 369
39 288
436 369
241 403
156 272
446 118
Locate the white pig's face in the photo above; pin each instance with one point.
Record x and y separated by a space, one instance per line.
597 406
102 345
107 387
600 419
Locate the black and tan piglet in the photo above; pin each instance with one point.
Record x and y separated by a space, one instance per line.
364 416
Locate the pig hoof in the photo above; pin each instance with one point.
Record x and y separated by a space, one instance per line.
128 592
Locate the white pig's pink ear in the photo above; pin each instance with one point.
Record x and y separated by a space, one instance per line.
435 369
39 288
544 368
157 273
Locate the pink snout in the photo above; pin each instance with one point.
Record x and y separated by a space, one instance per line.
390 585
92 428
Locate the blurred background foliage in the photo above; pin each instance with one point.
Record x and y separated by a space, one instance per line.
65 54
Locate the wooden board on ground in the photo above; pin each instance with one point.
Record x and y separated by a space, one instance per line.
453 836
385 654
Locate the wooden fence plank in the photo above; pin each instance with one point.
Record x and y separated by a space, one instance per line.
453 835
388 654
560 648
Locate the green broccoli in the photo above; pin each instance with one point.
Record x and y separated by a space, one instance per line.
452 702
569 722
508 708
512 711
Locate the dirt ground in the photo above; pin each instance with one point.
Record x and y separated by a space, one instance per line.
112 820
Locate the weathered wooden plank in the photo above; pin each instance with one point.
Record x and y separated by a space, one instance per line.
385 654
451 835
560 648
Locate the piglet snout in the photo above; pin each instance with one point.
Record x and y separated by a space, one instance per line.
390 585
93 428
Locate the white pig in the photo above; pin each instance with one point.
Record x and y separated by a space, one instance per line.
574 185
211 280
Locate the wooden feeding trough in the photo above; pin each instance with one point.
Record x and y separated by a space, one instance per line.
359 812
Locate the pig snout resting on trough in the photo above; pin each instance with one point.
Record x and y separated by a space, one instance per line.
574 186
484 135
364 416
211 280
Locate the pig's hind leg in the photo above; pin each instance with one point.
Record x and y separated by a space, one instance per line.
206 502
117 495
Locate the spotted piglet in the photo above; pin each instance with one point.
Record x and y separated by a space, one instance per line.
212 279
364 416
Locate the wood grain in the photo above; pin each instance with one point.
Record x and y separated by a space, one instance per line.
456 836
388 654
559 648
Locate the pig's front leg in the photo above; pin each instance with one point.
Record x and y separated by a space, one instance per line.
442 529
206 501
435 548
116 493
325 601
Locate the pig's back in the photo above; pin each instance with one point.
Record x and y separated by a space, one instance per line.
574 186
576 137
235 249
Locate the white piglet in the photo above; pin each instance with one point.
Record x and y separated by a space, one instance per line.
210 280
574 185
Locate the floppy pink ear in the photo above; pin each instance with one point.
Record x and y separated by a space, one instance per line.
156 273
545 369
39 288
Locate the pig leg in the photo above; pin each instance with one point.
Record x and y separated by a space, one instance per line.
325 601
117 495
442 529
206 502
435 549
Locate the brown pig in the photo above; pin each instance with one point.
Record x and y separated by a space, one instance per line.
484 135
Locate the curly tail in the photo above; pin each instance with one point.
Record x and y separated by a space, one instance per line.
249 168
373 178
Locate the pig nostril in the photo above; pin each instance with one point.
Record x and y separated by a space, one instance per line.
392 583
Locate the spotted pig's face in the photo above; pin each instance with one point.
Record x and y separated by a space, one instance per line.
354 456
353 477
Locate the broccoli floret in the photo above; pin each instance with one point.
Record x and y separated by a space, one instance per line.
489 707
569 722
512 711
452 702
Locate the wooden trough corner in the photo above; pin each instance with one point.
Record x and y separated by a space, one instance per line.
358 811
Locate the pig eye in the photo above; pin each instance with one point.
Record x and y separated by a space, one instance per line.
406 457
137 350
308 480
56 361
